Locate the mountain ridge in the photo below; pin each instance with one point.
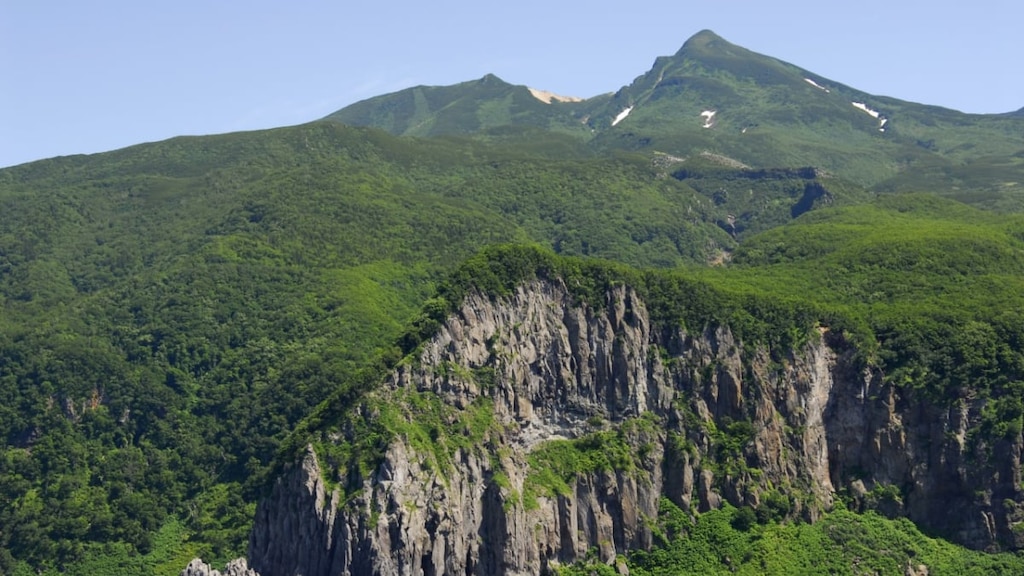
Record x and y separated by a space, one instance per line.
464 108
717 97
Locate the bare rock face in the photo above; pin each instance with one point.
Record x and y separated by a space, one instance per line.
705 418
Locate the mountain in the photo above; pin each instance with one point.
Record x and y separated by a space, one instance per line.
182 305
182 320
466 108
715 97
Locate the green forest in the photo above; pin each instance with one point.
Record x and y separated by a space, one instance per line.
178 318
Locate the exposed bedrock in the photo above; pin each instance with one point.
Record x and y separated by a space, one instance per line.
706 419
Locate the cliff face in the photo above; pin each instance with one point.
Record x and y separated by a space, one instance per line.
703 419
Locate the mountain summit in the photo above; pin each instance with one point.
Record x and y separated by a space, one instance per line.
716 97
705 40
466 108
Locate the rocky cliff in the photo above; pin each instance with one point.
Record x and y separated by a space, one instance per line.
532 431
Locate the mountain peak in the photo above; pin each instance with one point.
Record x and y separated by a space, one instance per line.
703 40
492 80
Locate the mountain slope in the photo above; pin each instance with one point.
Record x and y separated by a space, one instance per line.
182 305
469 107
714 96
171 311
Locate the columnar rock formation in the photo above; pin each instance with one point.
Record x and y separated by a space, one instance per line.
707 420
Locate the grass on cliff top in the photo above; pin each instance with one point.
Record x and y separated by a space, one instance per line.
931 290
672 299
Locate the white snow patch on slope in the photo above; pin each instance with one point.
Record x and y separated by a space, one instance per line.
708 115
864 107
882 120
622 115
816 85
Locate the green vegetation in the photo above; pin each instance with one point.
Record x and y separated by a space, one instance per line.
175 315
181 306
467 108
933 286
171 551
198 371
433 429
730 541
557 463
726 542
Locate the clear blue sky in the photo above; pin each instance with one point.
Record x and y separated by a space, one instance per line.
89 76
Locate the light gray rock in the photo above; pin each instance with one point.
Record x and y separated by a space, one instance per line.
238 567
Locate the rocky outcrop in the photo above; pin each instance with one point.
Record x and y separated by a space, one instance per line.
234 568
706 419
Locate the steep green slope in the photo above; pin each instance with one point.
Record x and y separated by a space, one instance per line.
170 311
469 107
770 113
934 288
181 305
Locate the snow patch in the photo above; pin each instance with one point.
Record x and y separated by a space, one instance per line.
882 120
708 116
548 97
816 85
864 107
622 115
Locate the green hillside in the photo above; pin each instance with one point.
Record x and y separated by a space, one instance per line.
171 312
183 304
